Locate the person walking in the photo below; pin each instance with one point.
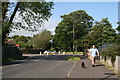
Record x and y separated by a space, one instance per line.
93 53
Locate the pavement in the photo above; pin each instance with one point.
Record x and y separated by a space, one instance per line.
54 66
99 71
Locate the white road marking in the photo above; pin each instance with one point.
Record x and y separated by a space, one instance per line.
16 65
35 60
1 67
10 66
68 75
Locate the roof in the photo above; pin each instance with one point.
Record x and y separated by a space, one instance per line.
10 42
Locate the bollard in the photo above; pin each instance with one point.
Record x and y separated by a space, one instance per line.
40 52
59 52
64 53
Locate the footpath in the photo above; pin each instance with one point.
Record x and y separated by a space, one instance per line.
99 72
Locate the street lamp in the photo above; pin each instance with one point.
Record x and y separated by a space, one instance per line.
51 41
84 34
74 38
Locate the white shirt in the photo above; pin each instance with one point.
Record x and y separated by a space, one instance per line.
93 51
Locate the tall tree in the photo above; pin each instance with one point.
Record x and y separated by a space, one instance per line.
101 33
118 35
118 28
108 33
5 6
31 15
77 20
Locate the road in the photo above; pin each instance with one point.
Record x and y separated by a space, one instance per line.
56 67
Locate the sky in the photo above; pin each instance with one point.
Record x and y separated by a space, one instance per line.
97 10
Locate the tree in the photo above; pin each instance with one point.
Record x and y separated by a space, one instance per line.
80 20
15 36
25 42
114 44
32 14
22 39
5 6
42 40
101 33
118 28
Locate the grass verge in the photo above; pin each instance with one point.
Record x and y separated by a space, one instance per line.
74 52
72 58
7 60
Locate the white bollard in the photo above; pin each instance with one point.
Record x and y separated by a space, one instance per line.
59 52
47 53
64 53
40 52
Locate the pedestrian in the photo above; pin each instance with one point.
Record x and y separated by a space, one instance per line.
93 53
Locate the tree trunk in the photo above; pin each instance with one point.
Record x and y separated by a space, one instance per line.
14 12
4 33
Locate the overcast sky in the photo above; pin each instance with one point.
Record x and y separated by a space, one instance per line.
97 10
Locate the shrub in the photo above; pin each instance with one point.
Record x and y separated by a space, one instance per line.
112 50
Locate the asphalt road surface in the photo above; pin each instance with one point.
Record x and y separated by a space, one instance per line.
43 66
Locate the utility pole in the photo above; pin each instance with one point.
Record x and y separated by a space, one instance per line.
74 37
73 40
51 41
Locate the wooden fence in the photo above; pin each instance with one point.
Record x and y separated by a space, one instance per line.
31 51
11 52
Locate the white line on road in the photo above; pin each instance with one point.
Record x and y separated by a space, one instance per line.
68 75
16 65
1 67
35 60
10 66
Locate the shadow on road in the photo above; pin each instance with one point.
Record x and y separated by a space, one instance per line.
55 57
30 59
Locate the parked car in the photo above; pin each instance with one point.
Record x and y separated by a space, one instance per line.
49 52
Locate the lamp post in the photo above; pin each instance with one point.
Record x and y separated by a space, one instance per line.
51 41
74 38
84 34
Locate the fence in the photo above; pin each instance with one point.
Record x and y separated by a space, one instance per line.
11 52
115 66
31 51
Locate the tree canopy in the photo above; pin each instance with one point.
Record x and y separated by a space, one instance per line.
30 15
80 20
101 33
118 28
42 40
24 41
85 33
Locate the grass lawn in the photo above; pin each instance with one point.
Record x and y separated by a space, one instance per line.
72 58
74 52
